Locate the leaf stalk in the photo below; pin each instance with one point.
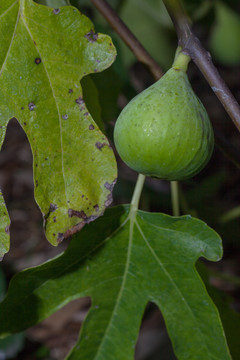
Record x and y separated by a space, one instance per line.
137 193
175 198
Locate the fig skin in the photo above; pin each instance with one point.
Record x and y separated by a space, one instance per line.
165 131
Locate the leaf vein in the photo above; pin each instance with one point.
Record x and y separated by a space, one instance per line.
8 9
171 281
124 278
11 42
57 107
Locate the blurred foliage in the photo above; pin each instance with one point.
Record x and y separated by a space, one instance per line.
224 40
229 317
11 345
2 285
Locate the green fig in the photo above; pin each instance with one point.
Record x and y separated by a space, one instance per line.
165 131
225 36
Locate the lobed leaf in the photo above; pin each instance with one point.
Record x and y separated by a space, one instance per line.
44 54
123 260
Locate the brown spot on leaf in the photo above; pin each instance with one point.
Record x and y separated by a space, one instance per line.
38 61
91 36
60 237
22 108
31 106
7 229
100 145
56 11
52 207
65 117
109 200
90 218
110 186
70 91
81 214
91 127
86 114
54 219
74 229
79 100
96 207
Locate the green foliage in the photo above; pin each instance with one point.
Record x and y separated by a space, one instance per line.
123 260
151 26
44 54
229 317
2 285
109 86
91 98
11 345
224 41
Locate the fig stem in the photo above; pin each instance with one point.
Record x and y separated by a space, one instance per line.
181 60
175 198
137 193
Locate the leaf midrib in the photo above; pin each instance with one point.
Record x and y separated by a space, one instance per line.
57 107
124 278
13 35
174 285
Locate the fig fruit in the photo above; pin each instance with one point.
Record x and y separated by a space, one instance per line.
165 131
